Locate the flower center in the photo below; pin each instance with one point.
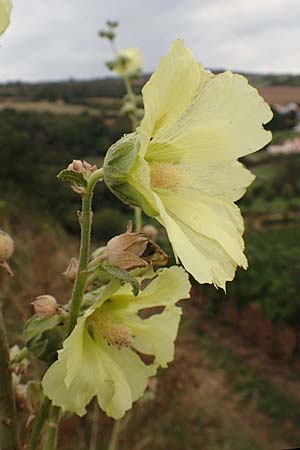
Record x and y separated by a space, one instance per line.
166 175
112 331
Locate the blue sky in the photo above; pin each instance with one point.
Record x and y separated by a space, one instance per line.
60 41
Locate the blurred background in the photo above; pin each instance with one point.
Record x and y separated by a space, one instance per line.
234 384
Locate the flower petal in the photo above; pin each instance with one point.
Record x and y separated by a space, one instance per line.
5 10
156 335
201 256
169 91
158 292
130 376
84 376
222 123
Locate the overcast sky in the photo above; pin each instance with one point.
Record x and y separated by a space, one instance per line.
60 41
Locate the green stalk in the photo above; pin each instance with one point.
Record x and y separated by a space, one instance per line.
138 219
52 432
38 424
132 97
8 422
86 225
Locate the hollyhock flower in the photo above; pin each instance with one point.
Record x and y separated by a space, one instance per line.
181 165
101 357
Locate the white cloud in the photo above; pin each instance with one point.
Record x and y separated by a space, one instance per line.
61 41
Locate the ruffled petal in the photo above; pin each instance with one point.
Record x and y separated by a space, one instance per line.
73 380
201 256
156 293
156 335
130 378
169 91
222 123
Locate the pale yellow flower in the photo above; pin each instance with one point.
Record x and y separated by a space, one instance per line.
5 10
181 164
101 356
128 62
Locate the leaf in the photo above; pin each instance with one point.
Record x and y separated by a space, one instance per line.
35 327
122 275
44 337
72 177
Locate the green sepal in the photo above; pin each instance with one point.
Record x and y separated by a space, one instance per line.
117 165
44 337
122 275
72 177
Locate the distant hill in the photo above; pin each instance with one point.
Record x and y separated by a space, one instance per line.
81 91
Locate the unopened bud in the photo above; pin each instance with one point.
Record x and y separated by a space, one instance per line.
6 250
83 167
150 231
6 246
72 269
45 306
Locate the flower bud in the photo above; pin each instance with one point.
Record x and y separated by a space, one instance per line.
132 250
6 246
72 269
118 163
6 250
150 231
83 167
45 306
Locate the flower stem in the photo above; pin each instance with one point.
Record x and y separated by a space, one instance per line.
114 437
94 426
38 424
86 225
8 423
51 435
138 219
132 96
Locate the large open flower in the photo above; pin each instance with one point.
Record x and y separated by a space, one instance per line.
100 356
5 10
181 164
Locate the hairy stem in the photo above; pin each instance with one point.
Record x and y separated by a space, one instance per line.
8 423
86 225
52 431
38 424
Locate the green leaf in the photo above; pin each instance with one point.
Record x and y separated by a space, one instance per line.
35 326
122 275
44 337
72 177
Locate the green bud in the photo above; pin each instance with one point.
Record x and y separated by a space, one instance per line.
112 23
118 163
